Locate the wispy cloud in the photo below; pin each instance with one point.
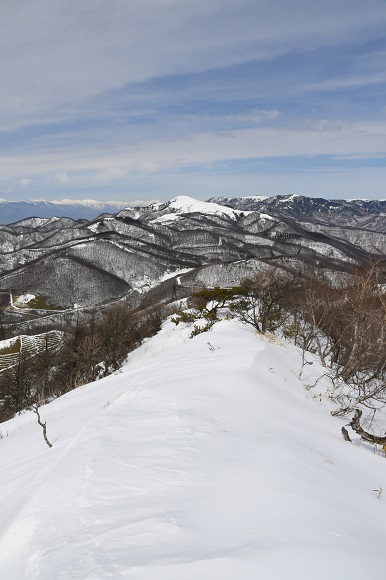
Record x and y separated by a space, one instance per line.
350 82
251 117
96 92
60 52
338 140
360 156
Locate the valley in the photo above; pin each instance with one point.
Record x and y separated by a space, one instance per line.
74 264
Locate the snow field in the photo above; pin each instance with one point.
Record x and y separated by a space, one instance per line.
186 205
198 460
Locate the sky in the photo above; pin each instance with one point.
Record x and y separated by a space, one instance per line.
150 99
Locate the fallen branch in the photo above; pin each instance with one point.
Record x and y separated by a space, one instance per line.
356 426
35 409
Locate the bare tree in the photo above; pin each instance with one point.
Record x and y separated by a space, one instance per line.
117 335
262 299
360 370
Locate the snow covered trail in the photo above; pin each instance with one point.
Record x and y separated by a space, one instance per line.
197 461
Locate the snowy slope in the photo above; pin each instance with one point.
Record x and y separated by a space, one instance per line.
184 204
198 461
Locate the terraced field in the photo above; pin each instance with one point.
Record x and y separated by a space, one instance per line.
10 350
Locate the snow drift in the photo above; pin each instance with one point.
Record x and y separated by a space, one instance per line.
204 458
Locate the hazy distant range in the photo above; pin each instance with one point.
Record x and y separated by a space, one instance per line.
13 211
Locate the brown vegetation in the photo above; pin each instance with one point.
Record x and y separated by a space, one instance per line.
94 346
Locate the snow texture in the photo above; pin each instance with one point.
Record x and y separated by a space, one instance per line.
167 217
265 216
184 204
204 458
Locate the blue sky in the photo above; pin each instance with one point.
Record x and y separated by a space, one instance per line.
150 99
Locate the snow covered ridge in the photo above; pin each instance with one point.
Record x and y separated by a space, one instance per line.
188 205
205 458
301 205
294 205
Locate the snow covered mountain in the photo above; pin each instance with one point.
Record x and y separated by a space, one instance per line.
138 249
204 458
363 213
181 206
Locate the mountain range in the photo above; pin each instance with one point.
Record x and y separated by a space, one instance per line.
170 248
13 211
363 213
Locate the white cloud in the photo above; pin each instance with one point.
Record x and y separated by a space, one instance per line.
65 51
98 164
64 64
